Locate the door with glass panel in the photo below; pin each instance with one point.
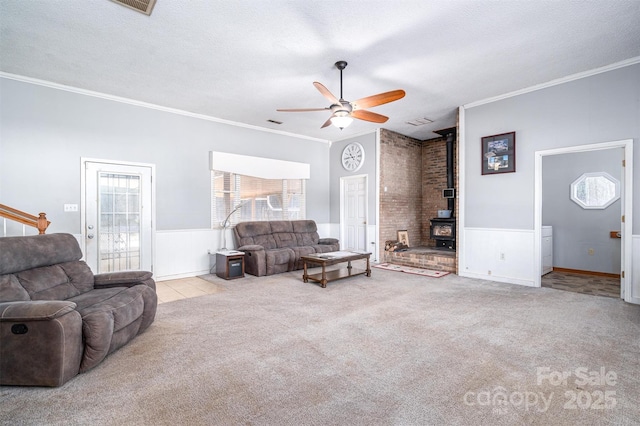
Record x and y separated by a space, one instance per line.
118 217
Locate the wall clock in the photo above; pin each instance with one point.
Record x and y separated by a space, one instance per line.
353 157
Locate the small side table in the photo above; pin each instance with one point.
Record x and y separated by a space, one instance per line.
230 264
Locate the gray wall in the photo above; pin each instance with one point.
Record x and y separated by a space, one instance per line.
45 132
336 171
576 230
600 108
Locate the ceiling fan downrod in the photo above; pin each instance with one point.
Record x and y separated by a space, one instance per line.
341 65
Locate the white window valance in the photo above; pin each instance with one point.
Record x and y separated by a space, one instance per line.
265 168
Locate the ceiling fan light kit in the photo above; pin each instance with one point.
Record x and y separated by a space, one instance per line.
343 112
341 119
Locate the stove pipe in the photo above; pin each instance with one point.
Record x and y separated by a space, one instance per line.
450 183
450 134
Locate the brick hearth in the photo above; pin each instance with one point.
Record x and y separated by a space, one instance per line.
424 257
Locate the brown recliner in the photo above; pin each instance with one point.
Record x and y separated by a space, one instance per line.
57 319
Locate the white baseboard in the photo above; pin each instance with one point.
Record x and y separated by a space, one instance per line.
507 280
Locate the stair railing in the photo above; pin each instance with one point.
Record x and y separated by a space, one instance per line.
40 222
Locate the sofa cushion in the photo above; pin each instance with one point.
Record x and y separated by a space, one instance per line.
306 232
22 253
57 282
11 290
285 239
281 226
279 260
301 251
254 233
266 241
308 226
105 312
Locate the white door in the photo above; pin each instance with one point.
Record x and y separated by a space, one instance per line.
623 283
118 216
354 213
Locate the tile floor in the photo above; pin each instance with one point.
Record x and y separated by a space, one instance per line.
582 283
171 290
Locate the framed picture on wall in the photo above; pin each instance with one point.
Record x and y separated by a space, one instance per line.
403 237
499 153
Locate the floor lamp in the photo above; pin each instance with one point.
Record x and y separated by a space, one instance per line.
226 224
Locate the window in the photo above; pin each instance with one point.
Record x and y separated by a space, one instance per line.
249 188
595 190
255 198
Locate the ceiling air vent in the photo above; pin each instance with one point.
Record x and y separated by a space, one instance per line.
420 121
144 6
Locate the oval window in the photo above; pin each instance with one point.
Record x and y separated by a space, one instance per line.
595 190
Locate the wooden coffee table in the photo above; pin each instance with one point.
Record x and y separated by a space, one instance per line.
334 258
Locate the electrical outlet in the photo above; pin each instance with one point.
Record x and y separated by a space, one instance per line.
591 252
501 256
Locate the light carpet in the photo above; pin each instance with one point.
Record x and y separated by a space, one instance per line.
393 349
411 270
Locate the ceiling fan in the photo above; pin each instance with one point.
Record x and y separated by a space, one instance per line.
343 112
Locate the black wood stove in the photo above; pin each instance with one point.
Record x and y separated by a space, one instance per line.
444 232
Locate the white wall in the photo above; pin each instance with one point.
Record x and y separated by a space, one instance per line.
370 168
596 108
45 131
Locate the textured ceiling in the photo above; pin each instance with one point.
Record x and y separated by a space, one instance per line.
241 60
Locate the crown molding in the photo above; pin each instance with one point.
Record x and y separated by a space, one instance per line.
573 77
148 105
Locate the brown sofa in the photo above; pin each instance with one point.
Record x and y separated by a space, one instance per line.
57 319
272 247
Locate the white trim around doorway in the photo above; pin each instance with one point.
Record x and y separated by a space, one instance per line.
631 294
83 220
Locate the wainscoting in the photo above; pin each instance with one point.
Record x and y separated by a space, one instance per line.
185 253
503 255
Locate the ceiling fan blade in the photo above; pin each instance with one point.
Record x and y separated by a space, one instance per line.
327 123
379 99
301 109
365 115
326 93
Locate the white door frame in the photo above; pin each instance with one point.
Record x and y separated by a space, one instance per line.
343 183
627 208
83 200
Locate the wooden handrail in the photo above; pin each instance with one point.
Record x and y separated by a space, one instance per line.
40 222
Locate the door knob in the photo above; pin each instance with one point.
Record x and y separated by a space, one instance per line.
90 236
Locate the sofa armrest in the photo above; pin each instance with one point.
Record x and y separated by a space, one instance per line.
123 279
251 247
254 259
41 342
328 241
34 310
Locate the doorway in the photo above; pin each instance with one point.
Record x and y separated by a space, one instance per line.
353 208
118 211
626 202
